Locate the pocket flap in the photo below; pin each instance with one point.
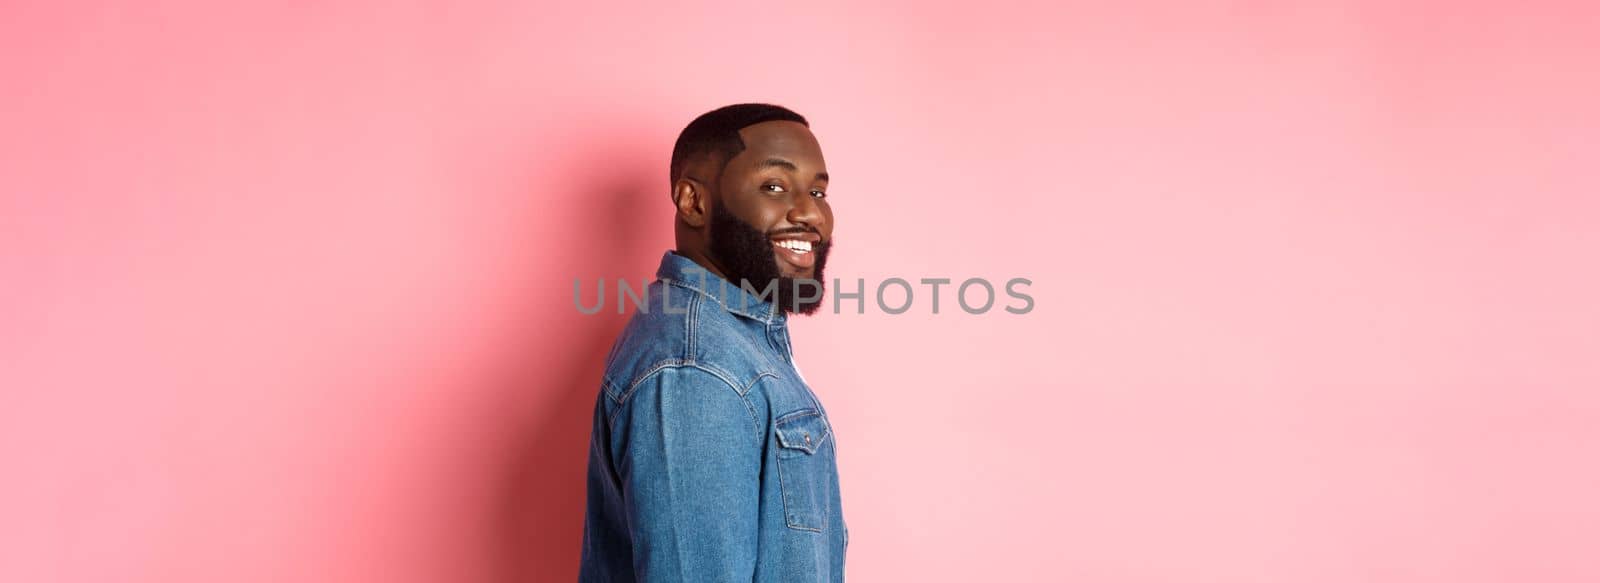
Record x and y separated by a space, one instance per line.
803 430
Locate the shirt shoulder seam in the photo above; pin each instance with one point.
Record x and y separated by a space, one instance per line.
675 363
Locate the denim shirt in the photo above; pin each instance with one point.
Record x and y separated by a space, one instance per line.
710 458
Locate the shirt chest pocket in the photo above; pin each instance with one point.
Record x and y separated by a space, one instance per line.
807 470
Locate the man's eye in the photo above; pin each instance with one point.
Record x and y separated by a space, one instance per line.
772 187
819 194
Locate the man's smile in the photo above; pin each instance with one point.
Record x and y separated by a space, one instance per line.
795 249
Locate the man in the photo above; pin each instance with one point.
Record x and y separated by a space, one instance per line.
711 459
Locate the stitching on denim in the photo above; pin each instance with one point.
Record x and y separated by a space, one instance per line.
691 326
678 363
783 477
767 318
755 424
790 417
796 414
607 387
783 485
634 385
717 372
759 376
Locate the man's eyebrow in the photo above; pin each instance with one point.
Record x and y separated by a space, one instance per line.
786 165
779 162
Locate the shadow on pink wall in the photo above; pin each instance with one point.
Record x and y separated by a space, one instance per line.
538 510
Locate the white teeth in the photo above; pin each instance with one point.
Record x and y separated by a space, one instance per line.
795 245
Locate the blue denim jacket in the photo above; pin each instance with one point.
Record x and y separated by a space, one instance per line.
710 459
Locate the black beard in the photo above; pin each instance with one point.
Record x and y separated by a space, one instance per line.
745 255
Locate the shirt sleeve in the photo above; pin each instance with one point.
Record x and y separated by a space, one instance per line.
690 465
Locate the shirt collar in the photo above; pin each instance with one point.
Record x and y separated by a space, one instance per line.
684 272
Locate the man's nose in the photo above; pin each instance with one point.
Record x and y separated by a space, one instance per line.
805 211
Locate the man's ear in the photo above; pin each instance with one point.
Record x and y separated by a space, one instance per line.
692 200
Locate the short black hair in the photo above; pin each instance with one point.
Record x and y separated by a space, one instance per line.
716 132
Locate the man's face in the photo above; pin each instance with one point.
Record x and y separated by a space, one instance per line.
771 219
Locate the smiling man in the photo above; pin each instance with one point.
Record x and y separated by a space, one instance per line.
710 458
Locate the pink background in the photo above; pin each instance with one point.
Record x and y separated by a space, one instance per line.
287 286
